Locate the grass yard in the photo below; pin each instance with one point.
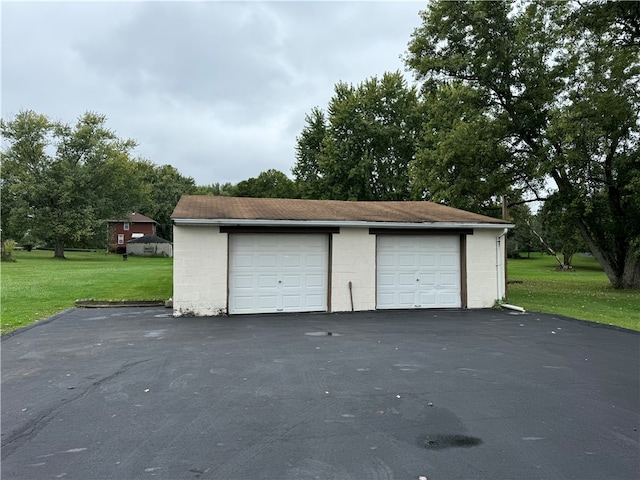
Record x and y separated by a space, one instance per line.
37 285
584 293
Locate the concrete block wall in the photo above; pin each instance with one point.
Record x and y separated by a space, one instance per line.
485 268
353 260
199 271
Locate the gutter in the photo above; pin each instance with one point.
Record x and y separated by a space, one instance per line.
206 222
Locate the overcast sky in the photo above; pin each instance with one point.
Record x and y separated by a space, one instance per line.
219 90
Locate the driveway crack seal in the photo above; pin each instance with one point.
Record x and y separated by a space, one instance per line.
33 427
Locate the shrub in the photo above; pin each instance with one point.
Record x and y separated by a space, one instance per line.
7 251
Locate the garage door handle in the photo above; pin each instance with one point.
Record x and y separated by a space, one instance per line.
279 281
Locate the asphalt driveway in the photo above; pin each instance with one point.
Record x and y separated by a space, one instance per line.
135 393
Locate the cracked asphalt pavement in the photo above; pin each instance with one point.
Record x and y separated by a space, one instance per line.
133 393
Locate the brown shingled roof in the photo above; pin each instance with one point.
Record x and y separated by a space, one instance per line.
212 207
134 218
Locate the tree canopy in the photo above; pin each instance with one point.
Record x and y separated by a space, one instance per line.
60 182
269 184
361 148
527 98
161 188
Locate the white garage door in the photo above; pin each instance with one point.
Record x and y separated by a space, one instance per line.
278 273
418 271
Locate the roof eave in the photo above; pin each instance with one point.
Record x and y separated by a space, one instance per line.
210 222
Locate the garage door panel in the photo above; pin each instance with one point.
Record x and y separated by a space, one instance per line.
267 261
242 261
291 261
244 302
426 261
428 280
315 260
448 280
265 243
243 281
415 271
291 281
317 281
449 261
386 300
451 299
406 260
267 281
267 302
406 299
406 279
386 279
427 299
290 302
315 302
386 260
284 272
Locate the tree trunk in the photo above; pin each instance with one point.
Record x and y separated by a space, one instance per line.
625 276
599 255
631 274
59 251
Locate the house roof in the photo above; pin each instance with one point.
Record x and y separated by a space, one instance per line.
149 239
207 209
134 218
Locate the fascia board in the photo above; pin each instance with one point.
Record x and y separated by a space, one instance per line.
211 222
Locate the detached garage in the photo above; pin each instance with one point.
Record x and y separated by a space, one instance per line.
258 255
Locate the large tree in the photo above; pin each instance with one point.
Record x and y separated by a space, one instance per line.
361 148
61 182
161 188
542 96
308 170
269 184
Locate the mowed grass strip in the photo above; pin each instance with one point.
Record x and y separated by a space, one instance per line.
37 285
584 293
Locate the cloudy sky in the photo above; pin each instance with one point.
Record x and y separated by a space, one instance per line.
219 90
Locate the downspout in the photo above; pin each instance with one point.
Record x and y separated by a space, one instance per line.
504 250
500 251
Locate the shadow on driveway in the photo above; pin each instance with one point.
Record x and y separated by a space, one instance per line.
135 393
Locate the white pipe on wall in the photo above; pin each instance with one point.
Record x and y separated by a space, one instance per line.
500 289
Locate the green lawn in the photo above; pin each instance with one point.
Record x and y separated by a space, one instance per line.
37 285
584 293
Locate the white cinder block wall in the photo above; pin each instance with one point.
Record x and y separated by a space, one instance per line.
353 260
199 271
485 267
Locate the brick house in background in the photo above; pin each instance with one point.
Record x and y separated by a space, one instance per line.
121 231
